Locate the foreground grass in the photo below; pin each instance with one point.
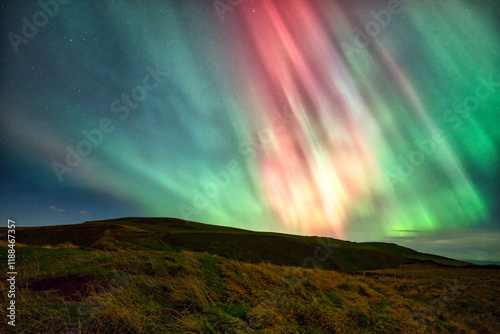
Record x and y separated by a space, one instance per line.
69 290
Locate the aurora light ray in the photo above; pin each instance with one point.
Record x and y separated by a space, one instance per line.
311 173
335 163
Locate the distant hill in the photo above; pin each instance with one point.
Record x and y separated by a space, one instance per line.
233 243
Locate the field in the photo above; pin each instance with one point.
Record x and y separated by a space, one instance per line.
168 276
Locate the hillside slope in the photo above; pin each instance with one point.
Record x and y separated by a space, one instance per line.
248 246
160 275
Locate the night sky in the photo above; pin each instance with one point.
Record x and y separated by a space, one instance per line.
359 120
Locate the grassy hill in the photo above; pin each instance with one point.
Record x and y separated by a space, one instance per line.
162 275
232 243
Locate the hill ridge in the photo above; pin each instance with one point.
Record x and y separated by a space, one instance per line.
159 233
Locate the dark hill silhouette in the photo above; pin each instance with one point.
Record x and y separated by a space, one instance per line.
248 246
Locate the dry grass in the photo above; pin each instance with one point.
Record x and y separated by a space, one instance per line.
191 292
59 246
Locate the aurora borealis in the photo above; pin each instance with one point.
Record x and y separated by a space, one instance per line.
366 120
